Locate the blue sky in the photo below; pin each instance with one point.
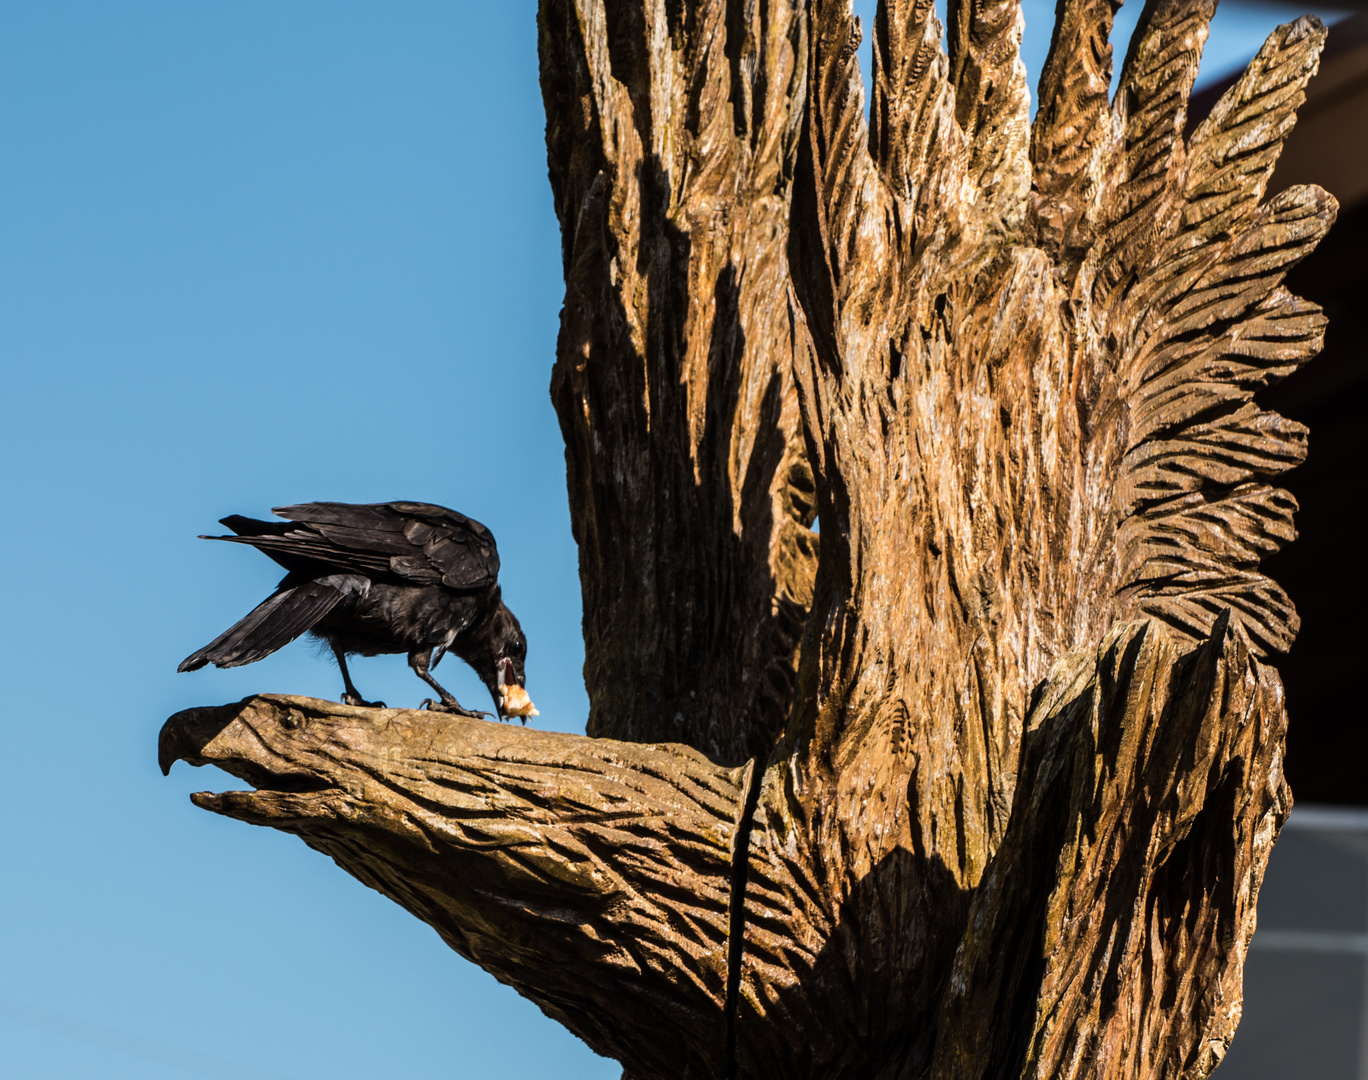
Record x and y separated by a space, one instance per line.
256 253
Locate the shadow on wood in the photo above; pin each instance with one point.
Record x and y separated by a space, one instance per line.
1006 804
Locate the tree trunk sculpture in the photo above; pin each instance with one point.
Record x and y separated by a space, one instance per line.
988 789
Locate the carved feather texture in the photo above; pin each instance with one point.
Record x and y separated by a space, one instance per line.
1069 126
1205 323
1141 187
672 134
1016 824
846 181
1141 378
1035 432
908 87
992 102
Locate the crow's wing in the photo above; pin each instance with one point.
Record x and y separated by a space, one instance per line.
301 549
272 624
417 542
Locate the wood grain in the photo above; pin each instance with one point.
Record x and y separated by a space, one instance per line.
987 789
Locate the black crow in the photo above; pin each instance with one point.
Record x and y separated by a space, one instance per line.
382 578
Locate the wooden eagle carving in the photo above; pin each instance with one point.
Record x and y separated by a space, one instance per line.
981 781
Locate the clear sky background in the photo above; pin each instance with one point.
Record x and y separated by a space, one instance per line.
255 253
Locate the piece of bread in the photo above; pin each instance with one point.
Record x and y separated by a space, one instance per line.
516 702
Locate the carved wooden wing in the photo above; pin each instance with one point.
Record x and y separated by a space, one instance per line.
987 790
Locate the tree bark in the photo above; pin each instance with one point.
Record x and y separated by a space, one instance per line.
989 789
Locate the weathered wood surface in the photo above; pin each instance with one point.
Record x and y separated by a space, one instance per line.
671 134
591 874
1007 808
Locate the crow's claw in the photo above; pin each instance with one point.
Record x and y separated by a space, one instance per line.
451 707
355 699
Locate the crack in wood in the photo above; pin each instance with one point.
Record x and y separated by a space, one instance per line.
736 914
1018 738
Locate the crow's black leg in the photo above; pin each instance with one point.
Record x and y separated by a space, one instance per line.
420 661
351 696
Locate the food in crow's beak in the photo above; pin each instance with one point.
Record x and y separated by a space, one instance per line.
513 701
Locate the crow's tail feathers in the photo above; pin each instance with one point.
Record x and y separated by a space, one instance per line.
245 526
274 623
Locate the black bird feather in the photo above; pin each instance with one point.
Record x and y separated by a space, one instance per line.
400 577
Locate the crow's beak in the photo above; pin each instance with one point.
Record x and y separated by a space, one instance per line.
501 670
511 698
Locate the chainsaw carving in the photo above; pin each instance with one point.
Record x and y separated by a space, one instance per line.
989 788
